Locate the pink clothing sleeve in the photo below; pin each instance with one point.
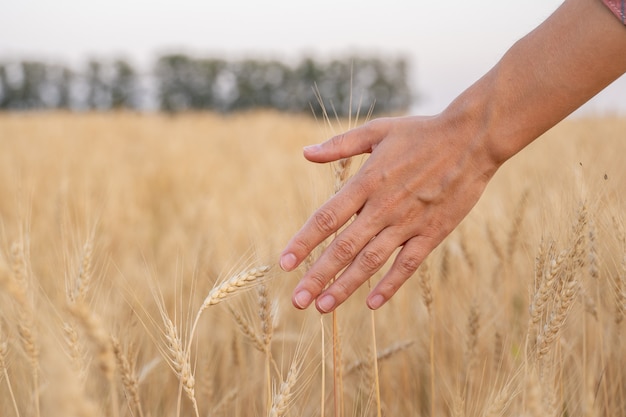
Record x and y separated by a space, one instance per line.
618 7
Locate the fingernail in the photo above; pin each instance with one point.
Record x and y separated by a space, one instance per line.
376 301
326 303
288 261
312 148
302 299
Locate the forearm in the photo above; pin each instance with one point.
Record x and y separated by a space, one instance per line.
544 77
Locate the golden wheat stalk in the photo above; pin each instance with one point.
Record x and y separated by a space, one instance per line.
516 226
248 331
427 298
546 287
577 253
374 360
619 283
557 318
473 327
267 328
381 356
4 350
178 358
128 375
99 336
620 294
234 284
24 296
500 403
594 268
70 335
282 398
77 290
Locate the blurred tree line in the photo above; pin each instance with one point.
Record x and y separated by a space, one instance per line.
179 82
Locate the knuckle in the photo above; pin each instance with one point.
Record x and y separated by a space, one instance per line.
318 281
325 220
371 261
389 287
338 140
408 265
367 183
302 245
341 289
376 125
344 250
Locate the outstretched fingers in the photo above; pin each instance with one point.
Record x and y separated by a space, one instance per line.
366 263
328 219
340 253
341 207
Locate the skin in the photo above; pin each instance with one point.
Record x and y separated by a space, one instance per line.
425 174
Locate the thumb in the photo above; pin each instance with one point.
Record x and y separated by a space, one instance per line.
357 141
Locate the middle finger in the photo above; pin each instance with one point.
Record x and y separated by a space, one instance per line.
339 253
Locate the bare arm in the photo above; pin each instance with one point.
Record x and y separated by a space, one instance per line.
425 174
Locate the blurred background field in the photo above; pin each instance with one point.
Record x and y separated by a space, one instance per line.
124 212
151 171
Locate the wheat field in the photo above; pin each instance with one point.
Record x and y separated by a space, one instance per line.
138 277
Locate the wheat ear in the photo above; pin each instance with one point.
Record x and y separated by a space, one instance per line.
281 400
267 327
96 332
532 404
516 227
557 318
248 331
382 355
620 293
127 372
500 402
4 350
82 281
473 327
567 287
427 297
495 244
592 255
236 283
26 325
70 335
179 361
620 280
578 249
458 405
545 289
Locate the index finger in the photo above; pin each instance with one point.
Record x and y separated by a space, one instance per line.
329 218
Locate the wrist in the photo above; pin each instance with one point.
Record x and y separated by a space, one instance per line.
476 127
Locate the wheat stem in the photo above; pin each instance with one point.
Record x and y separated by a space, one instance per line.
374 362
323 388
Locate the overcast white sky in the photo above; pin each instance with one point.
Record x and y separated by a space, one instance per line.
449 43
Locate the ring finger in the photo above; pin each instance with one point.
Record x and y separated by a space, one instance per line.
366 263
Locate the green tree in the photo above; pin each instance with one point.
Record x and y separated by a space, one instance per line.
4 88
123 85
98 88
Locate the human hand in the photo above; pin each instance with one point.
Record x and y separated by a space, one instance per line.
423 176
